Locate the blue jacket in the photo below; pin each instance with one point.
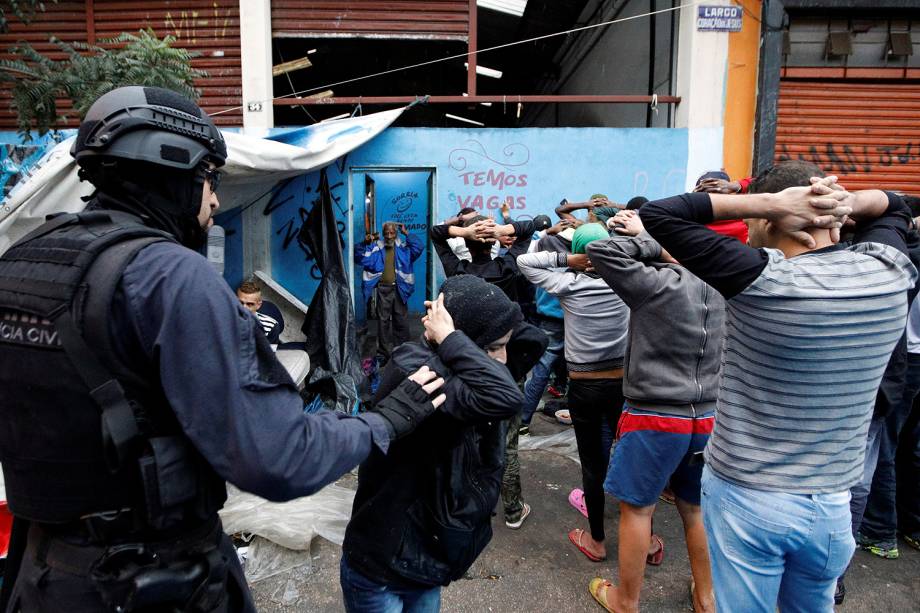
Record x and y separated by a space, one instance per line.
371 257
548 305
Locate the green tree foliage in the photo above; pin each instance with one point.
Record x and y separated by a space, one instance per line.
90 71
23 9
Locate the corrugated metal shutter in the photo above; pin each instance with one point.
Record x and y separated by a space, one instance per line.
406 19
209 27
67 21
867 133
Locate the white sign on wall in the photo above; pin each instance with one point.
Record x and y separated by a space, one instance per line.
719 18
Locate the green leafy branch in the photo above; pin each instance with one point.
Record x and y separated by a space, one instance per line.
23 9
90 71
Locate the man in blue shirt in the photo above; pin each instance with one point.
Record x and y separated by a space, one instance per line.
388 276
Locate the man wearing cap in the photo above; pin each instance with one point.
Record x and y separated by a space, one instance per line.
480 233
422 512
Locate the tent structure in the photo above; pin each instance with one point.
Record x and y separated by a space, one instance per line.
254 166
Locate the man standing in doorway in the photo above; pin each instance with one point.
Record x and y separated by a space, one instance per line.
388 282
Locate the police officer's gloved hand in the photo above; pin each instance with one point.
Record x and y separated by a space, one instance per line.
411 402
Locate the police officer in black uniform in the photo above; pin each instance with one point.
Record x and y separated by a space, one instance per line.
135 384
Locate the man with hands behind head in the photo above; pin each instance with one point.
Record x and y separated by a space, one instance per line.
388 276
670 402
810 323
480 234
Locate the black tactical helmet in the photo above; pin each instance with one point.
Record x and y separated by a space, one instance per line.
149 124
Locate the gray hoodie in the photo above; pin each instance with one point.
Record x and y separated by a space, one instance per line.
595 318
676 331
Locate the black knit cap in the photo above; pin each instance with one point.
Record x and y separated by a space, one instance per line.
479 309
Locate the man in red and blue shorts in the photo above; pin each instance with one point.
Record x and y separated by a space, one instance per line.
670 383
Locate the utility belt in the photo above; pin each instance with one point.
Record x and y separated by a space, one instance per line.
108 528
609 373
186 573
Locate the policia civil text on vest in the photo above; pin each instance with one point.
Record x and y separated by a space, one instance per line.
135 384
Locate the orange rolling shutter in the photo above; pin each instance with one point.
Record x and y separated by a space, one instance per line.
867 133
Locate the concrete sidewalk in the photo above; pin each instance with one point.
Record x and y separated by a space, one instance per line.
536 569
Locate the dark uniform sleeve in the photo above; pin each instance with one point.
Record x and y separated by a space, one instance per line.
449 259
678 224
891 229
230 394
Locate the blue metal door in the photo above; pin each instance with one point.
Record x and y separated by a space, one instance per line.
402 197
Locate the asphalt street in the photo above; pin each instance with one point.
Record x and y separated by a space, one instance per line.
536 569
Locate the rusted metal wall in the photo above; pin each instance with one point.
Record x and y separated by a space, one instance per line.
209 27
405 19
868 133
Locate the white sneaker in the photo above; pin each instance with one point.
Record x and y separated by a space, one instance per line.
514 525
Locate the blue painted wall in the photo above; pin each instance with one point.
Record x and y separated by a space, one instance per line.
533 169
232 223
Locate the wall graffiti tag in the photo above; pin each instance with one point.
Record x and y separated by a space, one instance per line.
184 26
292 229
498 176
834 157
16 164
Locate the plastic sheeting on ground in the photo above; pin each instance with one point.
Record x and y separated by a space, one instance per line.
282 531
292 524
562 443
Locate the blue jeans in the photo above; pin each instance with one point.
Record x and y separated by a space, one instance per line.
361 595
536 384
859 493
769 548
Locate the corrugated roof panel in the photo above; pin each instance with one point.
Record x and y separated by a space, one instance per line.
207 27
432 19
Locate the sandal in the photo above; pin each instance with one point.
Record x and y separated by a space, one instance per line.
667 496
594 588
655 559
575 536
577 500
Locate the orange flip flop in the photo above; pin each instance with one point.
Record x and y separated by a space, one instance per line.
575 536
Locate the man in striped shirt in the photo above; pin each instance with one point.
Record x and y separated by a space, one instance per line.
268 315
810 327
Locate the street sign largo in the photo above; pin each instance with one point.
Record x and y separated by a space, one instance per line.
719 18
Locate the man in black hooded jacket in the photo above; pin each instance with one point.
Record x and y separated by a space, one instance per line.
422 512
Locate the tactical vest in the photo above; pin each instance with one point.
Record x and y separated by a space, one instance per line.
81 434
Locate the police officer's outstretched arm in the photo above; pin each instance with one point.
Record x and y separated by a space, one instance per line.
231 396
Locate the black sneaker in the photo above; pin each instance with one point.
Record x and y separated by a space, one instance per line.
524 430
841 592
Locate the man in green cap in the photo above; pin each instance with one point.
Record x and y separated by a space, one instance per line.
596 323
